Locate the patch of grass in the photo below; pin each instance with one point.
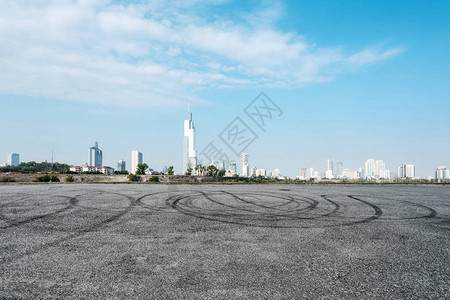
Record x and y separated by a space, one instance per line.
70 178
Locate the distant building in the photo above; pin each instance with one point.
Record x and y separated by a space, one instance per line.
346 173
380 168
339 167
442 173
316 175
406 171
330 165
189 152
360 172
220 165
95 156
13 159
329 174
105 170
136 159
276 173
245 170
369 168
260 172
253 172
121 165
303 173
233 167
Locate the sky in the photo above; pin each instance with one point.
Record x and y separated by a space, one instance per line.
354 80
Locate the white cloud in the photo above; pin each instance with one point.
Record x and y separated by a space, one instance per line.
154 54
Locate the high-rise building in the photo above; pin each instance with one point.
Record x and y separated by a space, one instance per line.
276 173
233 167
369 168
303 173
406 171
220 165
13 159
410 171
253 172
380 168
95 156
189 152
136 159
360 172
244 165
260 172
121 165
330 165
339 166
442 173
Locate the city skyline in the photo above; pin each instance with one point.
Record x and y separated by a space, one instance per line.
351 87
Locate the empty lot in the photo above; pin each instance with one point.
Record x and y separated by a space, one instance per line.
141 241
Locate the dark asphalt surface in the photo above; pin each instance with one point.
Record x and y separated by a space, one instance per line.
73 241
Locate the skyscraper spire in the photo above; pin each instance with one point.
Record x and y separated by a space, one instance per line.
189 152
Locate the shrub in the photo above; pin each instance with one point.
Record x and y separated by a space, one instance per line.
44 178
185 180
69 178
6 179
54 178
133 177
153 179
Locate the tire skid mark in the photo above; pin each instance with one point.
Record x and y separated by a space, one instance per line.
184 204
13 223
88 229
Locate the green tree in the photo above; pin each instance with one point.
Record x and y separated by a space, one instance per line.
200 169
188 171
170 170
212 170
140 169
221 173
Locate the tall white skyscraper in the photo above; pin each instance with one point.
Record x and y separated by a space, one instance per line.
442 173
189 152
406 171
95 156
330 165
13 159
121 165
380 168
136 159
369 168
244 165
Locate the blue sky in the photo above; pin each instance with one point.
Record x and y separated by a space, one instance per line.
355 79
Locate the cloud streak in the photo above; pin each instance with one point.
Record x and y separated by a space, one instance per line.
154 54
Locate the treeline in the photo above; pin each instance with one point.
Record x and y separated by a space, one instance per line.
33 167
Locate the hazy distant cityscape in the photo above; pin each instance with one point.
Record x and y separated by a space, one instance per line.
370 170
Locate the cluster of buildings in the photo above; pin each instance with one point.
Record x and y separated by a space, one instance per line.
373 169
95 163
